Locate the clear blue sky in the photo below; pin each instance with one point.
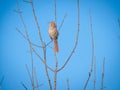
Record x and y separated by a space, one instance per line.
14 50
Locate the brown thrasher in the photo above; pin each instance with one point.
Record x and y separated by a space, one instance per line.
53 33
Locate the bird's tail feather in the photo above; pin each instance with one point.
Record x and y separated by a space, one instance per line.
56 48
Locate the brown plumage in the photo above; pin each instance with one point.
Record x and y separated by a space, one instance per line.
54 35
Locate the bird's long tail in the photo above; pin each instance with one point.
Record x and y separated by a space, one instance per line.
56 48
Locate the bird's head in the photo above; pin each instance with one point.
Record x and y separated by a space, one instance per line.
52 24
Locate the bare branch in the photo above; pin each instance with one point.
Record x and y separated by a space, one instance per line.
55 11
76 42
46 69
55 71
25 87
48 43
35 75
44 50
103 71
62 22
94 73
30 45
36 21
49 81
28 71
38 86
27 1
24 25
36 45
34 49
31 54
1 81
26 38
67 81
56 60
92 60
17 11
21 33
41 59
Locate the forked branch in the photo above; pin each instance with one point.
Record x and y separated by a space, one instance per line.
76 41
26 38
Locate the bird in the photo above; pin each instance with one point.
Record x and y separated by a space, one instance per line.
53 33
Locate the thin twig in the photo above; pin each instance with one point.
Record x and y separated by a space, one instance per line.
21 33
35 75
28 71
38 86
76 42
55 11
26 1
36 21
94 73
17 11
25 87
26 38
48 43
103 71
36 45
31 43
67 82
92 60
62 22
31 54
1 81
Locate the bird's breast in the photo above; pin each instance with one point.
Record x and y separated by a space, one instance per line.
53 33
